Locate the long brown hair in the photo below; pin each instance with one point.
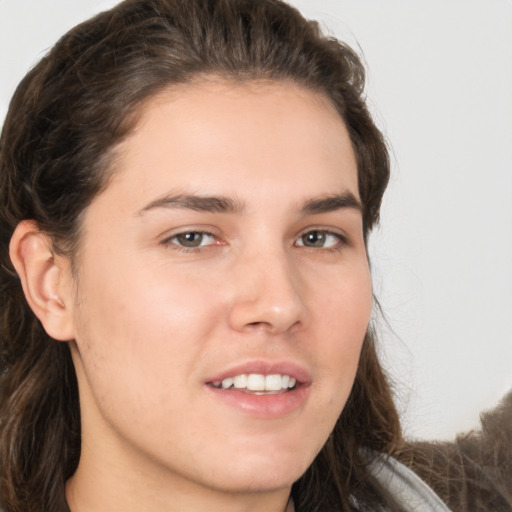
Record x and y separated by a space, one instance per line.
65 119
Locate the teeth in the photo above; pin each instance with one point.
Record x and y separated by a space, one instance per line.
258 382
227 383
273 382
240 381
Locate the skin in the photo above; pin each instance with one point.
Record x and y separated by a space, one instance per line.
152 321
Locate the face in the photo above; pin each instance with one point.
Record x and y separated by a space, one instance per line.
222 289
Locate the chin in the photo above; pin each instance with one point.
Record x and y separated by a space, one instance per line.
254 482
261 475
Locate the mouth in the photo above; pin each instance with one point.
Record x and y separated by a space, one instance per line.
262 389
258 383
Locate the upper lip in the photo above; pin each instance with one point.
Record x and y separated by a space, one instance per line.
263 367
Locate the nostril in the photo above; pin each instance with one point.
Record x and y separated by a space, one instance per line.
270 327
259 325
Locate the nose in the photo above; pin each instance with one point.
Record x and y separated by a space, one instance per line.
267 294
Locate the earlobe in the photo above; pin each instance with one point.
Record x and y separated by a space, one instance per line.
45 278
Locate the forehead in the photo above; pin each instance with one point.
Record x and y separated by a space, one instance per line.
217 136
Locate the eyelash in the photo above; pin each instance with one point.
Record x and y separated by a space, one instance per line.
341 243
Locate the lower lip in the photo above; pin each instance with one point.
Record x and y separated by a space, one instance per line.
262 406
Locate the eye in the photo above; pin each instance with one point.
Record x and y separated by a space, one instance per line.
191 239
320 239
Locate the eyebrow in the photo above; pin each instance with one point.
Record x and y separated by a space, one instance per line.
224 204
213 204
331 203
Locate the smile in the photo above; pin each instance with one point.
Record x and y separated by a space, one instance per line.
256 382
261 389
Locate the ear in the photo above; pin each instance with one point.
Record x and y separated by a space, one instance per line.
46 279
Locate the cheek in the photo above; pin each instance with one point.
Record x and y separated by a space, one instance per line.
141 335
341 317
343 310
339 301
130 304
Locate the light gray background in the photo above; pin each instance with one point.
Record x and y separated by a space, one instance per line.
440 87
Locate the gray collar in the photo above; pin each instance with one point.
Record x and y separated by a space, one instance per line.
407 487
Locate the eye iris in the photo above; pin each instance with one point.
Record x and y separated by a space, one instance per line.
314 239
190 239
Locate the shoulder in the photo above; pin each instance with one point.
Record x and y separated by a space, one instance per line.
473 473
